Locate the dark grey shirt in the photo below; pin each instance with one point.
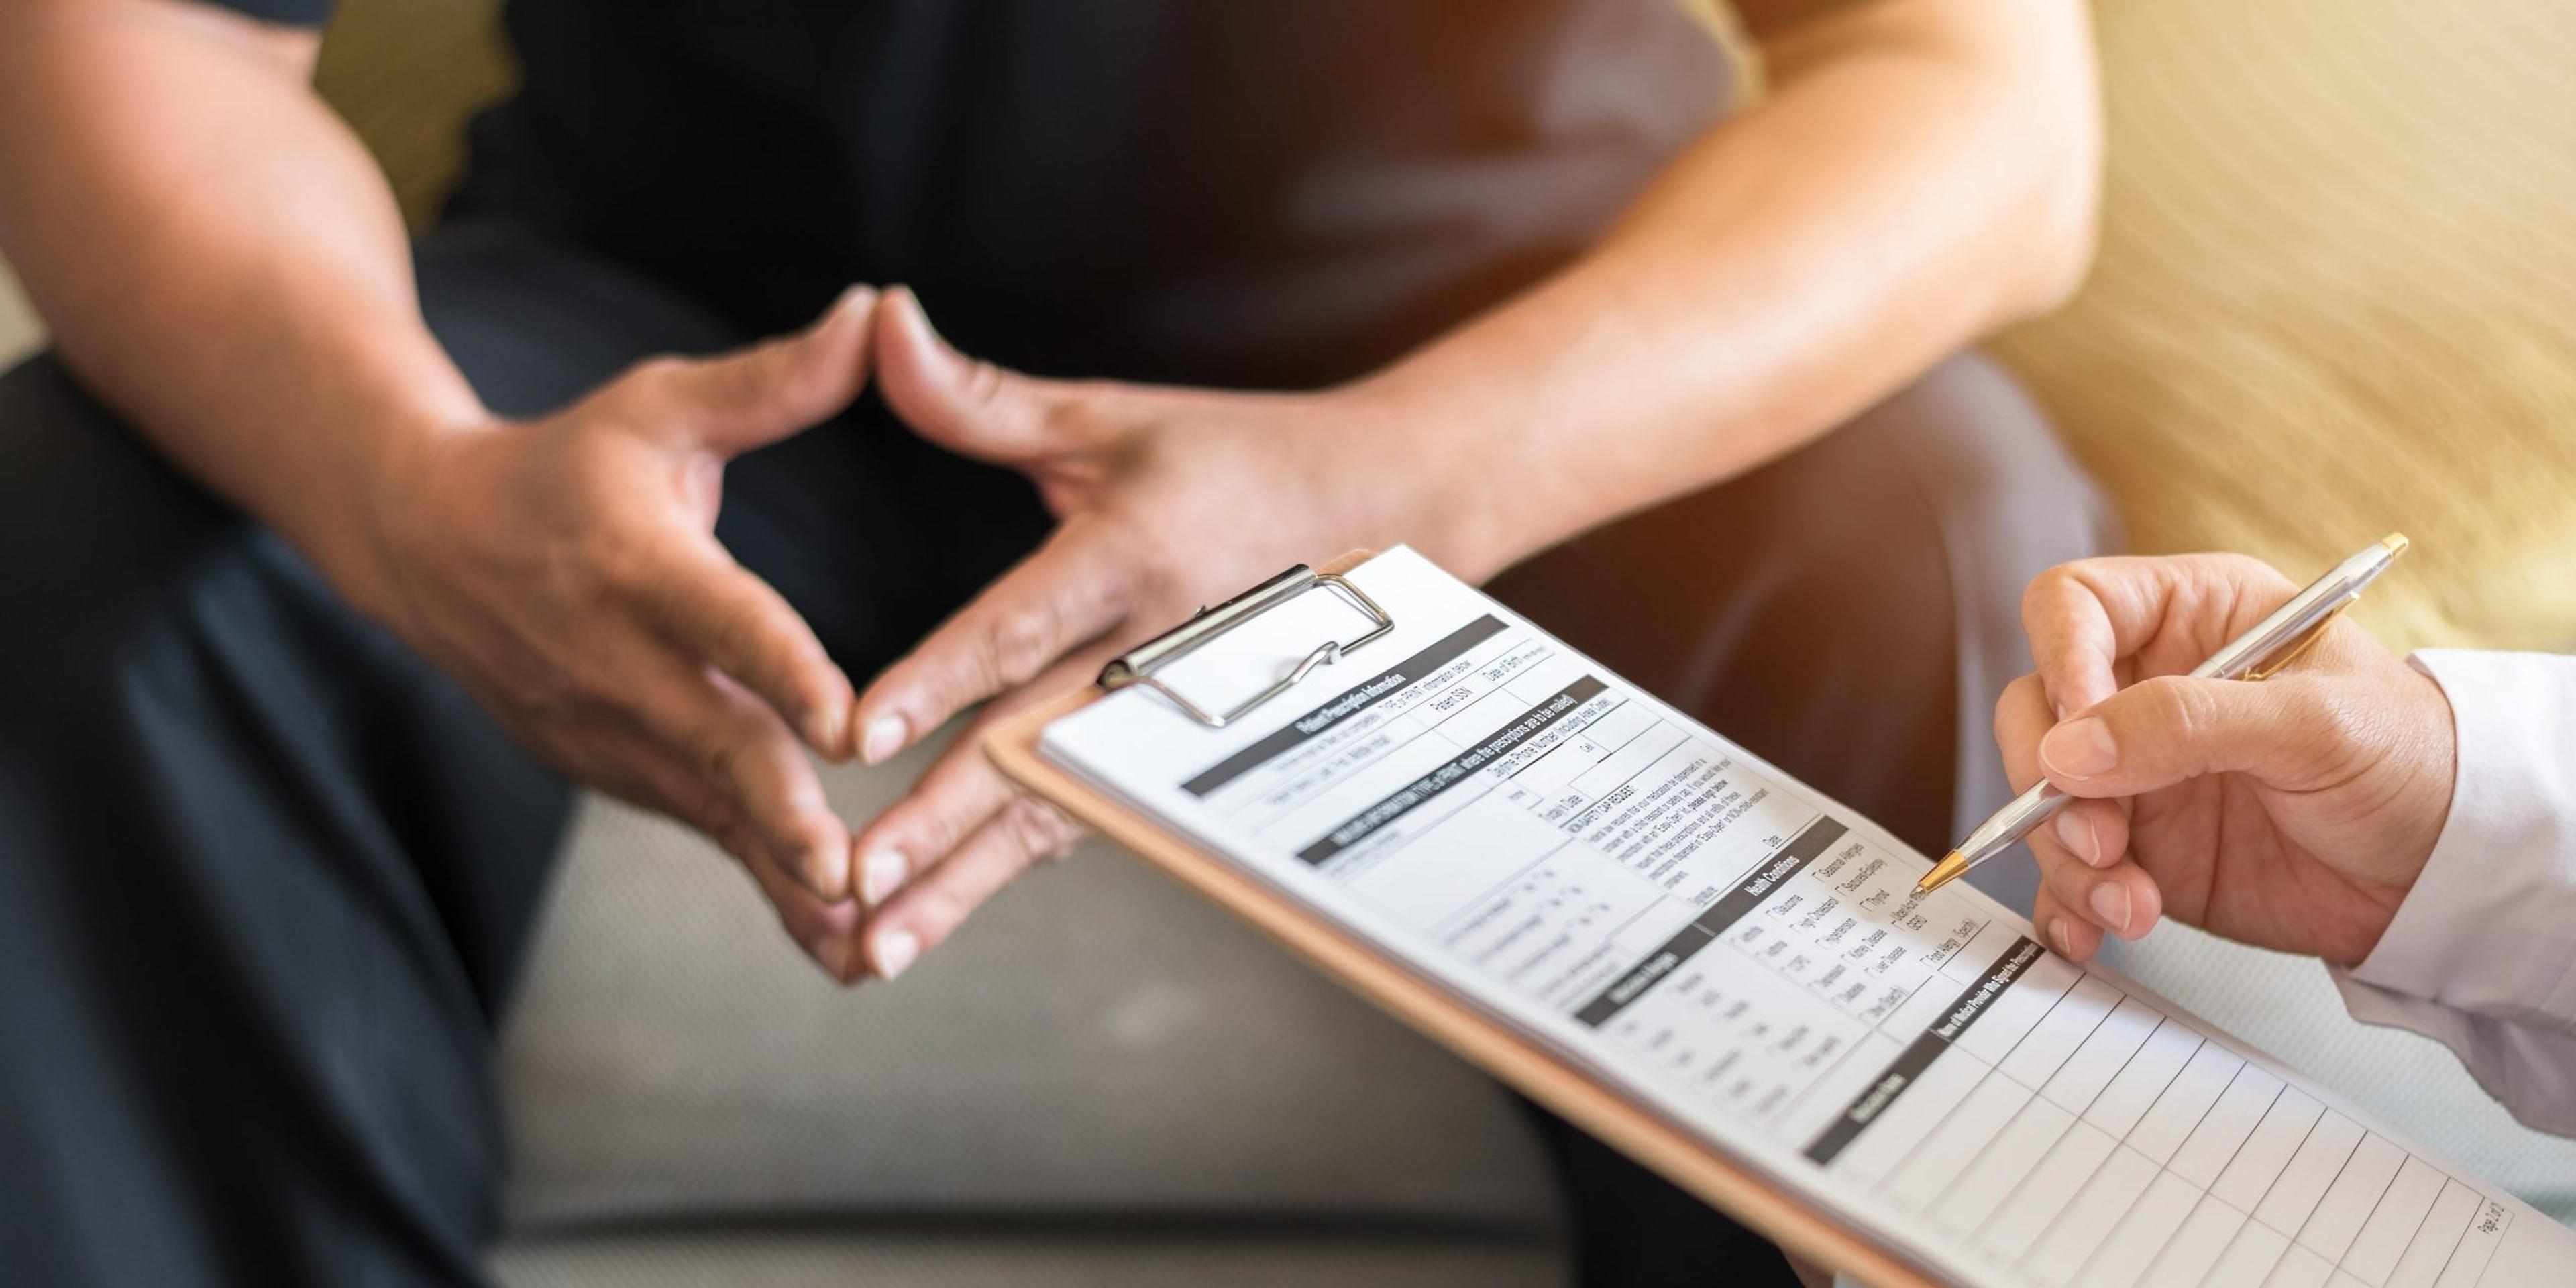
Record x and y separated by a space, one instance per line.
1267 192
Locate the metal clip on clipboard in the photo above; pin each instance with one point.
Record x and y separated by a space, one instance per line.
1140 666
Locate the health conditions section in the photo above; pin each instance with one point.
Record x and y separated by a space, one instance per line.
1705 929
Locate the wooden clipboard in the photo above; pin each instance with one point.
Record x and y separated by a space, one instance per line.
1012 744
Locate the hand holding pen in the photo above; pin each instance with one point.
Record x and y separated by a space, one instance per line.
2294 813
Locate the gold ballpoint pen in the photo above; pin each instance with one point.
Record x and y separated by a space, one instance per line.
2273 643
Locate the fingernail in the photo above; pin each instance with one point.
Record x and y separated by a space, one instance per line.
2075 832
920 317
2110 902
844 305
880 875
827 871
2079 749
884 737
826 729
895 950
940 350
834 957
2062 932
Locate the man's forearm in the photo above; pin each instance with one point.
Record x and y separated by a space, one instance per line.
215 254
1924 173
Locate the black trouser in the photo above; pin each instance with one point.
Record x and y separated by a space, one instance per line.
265 877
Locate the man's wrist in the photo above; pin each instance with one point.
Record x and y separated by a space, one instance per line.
1430 473
354 531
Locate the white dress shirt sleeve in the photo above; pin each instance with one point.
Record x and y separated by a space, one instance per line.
2481 956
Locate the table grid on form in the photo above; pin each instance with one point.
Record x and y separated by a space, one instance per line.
2110 1146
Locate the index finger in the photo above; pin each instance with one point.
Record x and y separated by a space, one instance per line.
2167 612
719 612
959 793
2087 884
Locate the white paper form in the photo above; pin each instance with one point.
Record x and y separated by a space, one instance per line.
1507 819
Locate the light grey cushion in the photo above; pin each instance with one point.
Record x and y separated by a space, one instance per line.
1097 1051
1109 1258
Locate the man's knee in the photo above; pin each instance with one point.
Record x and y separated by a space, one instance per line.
1919 523
1951 494
2008 498
81 496
96 531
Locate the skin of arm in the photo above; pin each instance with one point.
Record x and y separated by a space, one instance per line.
221 263
1924 172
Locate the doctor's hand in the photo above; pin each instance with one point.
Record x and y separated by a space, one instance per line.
1166 500
2292 813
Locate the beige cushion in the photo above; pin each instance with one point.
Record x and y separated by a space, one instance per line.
2337 296
405 75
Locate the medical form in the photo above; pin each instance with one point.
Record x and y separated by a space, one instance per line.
1500 815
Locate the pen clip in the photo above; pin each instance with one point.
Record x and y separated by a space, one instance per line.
2306 640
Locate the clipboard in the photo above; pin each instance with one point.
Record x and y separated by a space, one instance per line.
1626 1125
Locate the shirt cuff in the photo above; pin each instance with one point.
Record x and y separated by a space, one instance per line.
2487 926
2531 1071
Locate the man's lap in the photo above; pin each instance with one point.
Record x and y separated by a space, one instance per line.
250 701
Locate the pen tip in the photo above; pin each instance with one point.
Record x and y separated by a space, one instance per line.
2396 543
1942 873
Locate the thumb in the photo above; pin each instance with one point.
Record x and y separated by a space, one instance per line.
754 397
964 404
2172 728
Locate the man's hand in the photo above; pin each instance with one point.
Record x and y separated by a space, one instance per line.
1167 499
2294 813
567 572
